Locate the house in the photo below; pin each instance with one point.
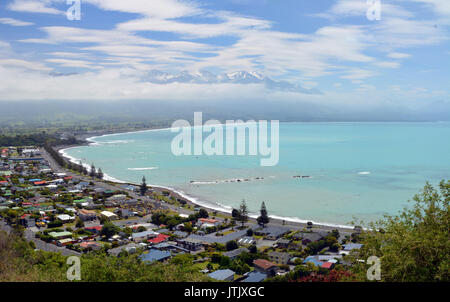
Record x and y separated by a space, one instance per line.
255 276
324 261
109 215
27 221
155 255
347 248
125 213
158 239
87 215
307 238
352 246
143 236
222 275
283 243
208 223
272 232
279 258
60 235
64 242
91 245
94 229
265 266
180 234
190 244
235 253
65 218
130 248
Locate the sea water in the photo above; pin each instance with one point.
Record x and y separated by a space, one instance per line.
331 173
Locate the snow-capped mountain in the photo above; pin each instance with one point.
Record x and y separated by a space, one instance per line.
239 77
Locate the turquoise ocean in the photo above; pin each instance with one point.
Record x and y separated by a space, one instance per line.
356 170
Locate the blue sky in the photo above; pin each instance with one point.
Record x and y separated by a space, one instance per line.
401 60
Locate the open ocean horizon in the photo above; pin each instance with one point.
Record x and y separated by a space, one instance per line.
353 170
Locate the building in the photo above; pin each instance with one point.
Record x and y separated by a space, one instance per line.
255 276
131 248
155 255
158 239
109 215
91 245
190 244
144 236
94 229
60 235
265 266
208 223
65 218
87 215
222 275
235 253
279 258
307 238
283 243
272 232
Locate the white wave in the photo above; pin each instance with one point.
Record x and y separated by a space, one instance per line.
364 173
143 169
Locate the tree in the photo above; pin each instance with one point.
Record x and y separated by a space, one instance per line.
100 174
143 188
79 223
231 245
413 246
109 229
243 213
92 171
203 213
263 219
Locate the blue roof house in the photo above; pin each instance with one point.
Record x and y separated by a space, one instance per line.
255 276
222 275
155 255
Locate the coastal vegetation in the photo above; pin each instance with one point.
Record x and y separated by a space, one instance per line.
413 246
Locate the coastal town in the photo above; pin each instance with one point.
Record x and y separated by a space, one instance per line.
62 210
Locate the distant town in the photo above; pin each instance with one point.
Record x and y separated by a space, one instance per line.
71 210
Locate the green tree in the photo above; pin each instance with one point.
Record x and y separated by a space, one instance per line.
92 171
143 187
243 213
79 223
263 218
203 213
413 246
231 245
100 174
109 229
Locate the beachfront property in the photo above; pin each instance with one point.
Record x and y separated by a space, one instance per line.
74 198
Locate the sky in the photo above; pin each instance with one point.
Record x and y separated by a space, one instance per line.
351 52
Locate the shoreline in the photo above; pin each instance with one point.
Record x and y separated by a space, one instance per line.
208 205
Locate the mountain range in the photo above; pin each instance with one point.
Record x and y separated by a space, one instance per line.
239 77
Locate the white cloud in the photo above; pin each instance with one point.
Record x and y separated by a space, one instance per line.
34 6
398 55
386 64
14 22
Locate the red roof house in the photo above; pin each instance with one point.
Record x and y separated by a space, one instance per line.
158 239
